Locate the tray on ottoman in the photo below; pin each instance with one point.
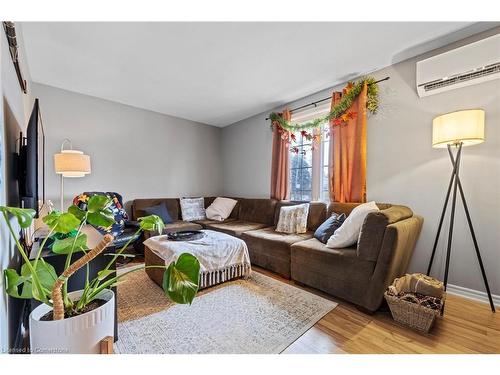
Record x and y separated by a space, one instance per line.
222 257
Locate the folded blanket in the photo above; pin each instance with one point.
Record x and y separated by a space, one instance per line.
418 283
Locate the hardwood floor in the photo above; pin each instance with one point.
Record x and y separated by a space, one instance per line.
467 327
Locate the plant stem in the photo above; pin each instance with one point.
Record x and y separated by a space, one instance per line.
42 245
34 275
115 257
113 280
67 301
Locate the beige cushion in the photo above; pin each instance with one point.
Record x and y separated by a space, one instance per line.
293 219
220 209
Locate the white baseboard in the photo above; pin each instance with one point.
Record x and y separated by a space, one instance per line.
472 294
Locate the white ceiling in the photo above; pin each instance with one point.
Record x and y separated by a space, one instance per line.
219 73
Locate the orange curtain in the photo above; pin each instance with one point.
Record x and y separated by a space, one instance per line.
347 164
280 168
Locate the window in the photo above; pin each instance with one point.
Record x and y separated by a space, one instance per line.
301 170
309 166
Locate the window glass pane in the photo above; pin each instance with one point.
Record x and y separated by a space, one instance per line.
326 152
324 182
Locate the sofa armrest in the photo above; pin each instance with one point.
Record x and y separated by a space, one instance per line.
374 227
395 254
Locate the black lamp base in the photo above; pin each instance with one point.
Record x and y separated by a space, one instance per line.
457 186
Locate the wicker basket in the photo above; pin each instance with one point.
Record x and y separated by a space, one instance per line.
413 315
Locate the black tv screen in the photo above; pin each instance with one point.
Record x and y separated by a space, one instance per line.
31 154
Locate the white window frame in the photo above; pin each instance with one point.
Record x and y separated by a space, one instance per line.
317 154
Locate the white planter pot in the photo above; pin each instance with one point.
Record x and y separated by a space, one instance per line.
79 335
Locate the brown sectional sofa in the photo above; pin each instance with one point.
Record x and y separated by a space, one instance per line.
359 274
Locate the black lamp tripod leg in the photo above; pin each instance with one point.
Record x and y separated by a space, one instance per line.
452 217
476 246
436 240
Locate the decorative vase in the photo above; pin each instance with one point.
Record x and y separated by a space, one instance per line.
79 334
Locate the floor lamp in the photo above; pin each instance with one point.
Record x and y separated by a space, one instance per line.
458 130
70 163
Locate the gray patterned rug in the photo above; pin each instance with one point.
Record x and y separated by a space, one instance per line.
258 315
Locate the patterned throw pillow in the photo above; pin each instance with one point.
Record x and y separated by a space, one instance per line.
116 206
193 209
293 219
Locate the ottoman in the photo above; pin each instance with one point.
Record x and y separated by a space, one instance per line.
222 257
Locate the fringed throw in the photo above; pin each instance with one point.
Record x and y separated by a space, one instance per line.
209 278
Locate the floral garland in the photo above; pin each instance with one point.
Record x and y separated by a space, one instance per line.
350 93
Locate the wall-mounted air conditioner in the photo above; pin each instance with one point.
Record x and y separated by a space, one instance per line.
468 65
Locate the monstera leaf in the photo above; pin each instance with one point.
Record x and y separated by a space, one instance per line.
61 222
180 280
152 223
21 286
99 213
24 216
17 286
65 246
75 210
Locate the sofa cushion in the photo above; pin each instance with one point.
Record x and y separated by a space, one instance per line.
161 211
271 250
172 204
270 234
206 222
257 211
236 227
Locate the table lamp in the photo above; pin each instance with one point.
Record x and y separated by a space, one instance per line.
70 163
454 131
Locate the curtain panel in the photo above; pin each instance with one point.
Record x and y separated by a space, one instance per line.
280 163
347 156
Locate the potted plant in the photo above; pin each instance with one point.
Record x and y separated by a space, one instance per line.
76 322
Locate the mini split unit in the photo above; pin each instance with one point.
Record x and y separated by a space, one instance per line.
468 65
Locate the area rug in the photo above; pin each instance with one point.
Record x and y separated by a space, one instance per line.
258 315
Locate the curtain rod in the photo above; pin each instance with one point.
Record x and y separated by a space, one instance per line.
328 98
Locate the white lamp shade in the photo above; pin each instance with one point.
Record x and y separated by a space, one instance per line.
72 163
461 126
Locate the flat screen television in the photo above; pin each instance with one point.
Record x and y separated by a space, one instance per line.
31 162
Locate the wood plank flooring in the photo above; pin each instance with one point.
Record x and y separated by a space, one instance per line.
467 327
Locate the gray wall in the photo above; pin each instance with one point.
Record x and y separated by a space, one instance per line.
403 167
13 116
138 153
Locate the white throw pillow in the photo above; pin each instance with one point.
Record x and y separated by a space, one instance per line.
220 209
348 233
293 219
193 209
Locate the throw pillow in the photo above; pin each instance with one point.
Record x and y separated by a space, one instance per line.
326 230
193 209
348 233
116 207
220 209
161 211
293 219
